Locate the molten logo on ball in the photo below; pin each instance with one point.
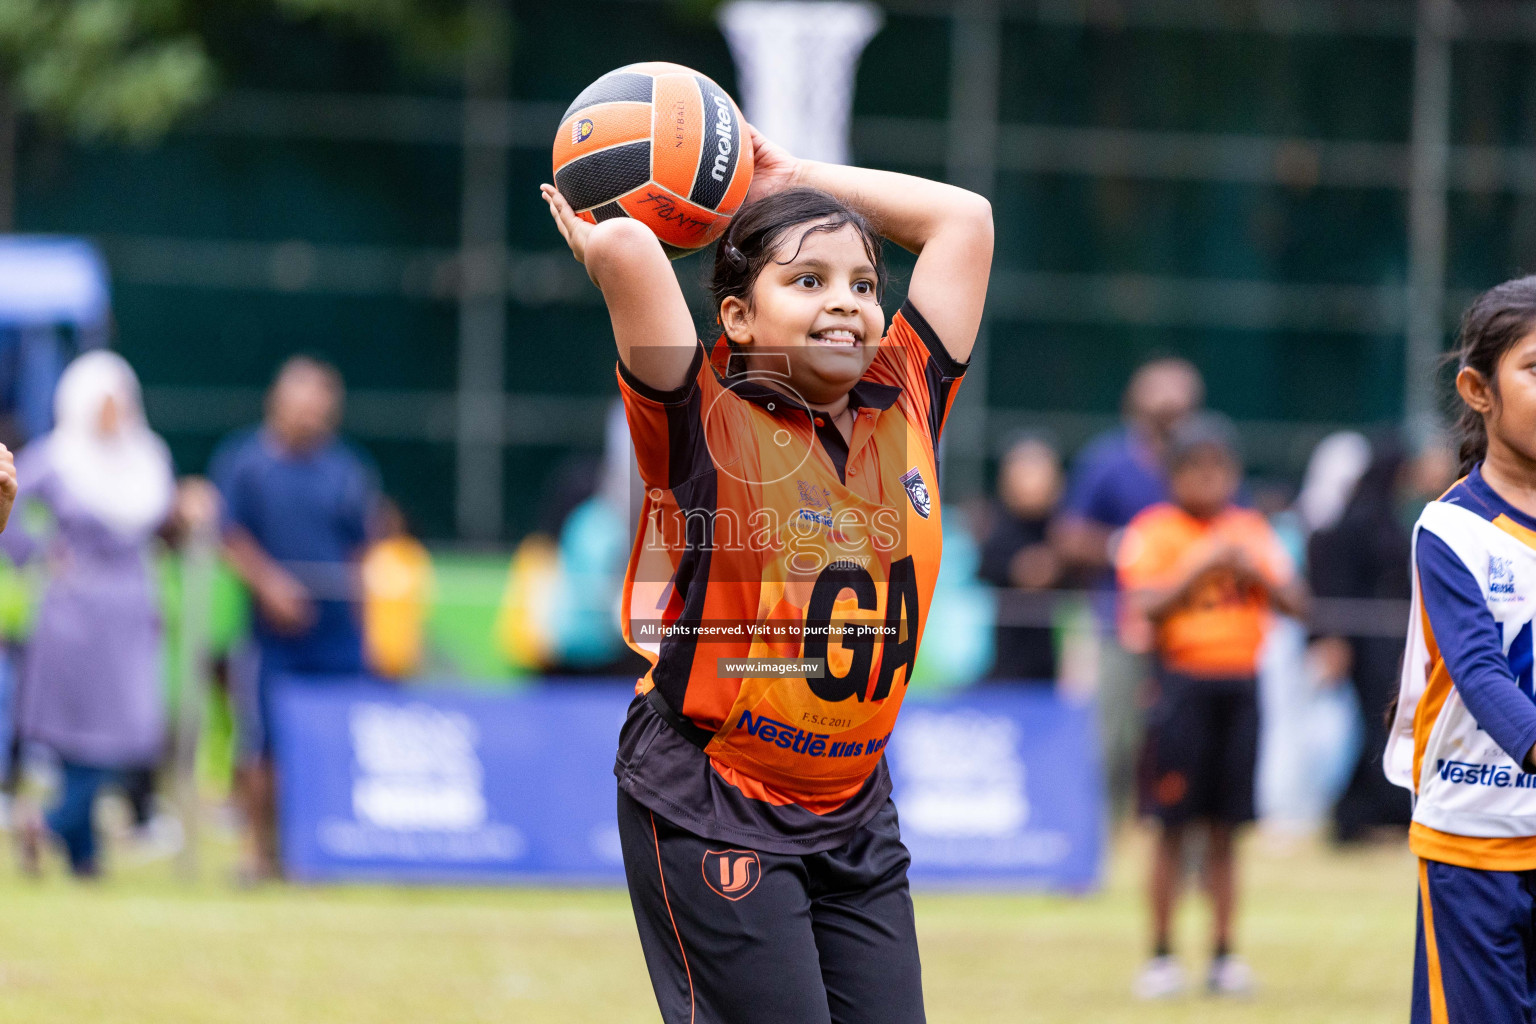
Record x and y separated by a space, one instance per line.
724 138
581 130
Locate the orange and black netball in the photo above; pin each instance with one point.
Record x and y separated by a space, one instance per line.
660 143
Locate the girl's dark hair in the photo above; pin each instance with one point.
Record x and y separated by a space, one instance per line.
1490 327
749 244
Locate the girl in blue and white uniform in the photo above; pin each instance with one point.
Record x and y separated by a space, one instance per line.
1465 723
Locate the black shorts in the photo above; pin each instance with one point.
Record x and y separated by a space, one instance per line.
736 936
1201 750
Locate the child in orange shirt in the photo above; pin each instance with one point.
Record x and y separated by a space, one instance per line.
1200 576
397 592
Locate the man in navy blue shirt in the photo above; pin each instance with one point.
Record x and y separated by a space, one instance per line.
1115 476
297 502
1120 472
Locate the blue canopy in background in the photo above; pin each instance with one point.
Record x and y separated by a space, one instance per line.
54 304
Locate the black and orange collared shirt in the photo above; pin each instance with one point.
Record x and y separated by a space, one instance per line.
764 534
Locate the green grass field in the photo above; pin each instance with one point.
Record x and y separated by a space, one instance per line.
1330 936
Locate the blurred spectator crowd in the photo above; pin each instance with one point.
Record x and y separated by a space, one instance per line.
1325 684
320 577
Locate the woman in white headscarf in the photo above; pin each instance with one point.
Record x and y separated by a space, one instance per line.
1336 465
1308 730
90 678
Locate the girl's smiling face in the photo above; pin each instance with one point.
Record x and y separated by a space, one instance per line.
815 305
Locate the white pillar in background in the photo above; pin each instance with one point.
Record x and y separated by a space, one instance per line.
795 63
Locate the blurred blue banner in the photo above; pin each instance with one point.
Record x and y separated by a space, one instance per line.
435 784
1000 787
431 784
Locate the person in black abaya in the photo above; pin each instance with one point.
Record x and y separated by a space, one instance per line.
1366 554
1017 553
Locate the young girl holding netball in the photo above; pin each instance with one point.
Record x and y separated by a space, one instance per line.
791 517
1465 723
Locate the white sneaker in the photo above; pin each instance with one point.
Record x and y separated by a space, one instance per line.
1230 976
161 836
1162 977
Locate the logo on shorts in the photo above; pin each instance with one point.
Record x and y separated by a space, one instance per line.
732 873
1171 788
581 130
912 480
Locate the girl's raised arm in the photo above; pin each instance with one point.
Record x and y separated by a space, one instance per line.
651 322
949 228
